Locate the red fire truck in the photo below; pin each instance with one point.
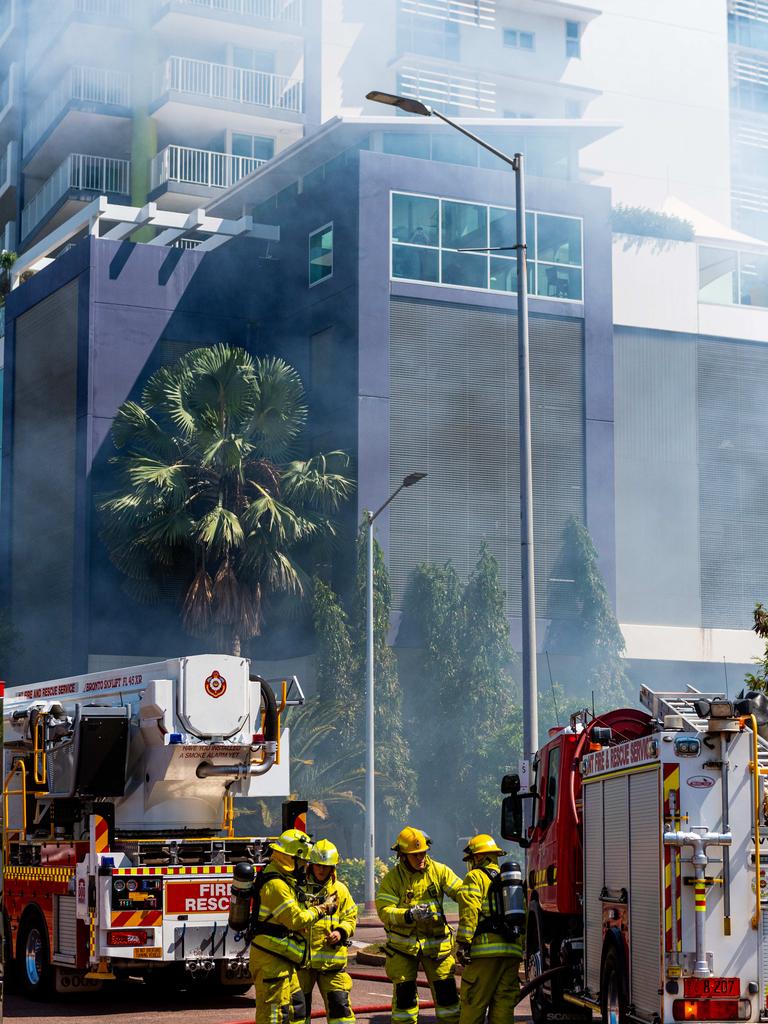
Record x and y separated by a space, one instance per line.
118 830
643 834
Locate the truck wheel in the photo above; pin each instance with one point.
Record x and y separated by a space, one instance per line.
541 1004
33 958
612 999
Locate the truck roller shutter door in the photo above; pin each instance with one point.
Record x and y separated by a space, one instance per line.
645 927
593 881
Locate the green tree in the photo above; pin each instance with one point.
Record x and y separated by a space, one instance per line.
336 672
584 624
758 680
210 493
393 761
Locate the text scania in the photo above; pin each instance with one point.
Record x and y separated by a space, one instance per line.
212 897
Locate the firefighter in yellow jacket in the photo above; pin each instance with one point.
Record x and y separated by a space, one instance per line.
410 905
491 959
328 937
278 945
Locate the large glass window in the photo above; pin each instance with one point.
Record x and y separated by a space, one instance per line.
731 277
572 39
430 237
321 254
261 147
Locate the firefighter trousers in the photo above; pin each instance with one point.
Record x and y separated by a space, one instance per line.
279 998
335 987
490 983
401 971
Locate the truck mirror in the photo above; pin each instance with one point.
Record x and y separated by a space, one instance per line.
512 819
510 784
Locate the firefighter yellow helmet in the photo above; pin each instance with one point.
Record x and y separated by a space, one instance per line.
293 843
480 845
412 840
324 853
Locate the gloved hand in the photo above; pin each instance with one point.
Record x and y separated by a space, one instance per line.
329 906
421 912
463 954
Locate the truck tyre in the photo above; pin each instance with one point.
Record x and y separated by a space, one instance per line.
33 959
10 980
613 1000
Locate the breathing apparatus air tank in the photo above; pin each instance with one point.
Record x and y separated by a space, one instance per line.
508 898
243 877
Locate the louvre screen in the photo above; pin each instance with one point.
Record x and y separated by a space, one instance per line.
454 414
733 441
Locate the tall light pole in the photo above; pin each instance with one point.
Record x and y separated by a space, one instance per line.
370 759
528 592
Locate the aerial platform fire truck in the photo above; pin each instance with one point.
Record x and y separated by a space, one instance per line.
118 830
645 835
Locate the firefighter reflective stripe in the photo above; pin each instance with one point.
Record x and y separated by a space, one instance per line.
322 956
474 910
130 918
700 893
401 889
278 906
37 874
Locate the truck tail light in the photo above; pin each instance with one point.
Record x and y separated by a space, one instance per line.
126 938
711 1009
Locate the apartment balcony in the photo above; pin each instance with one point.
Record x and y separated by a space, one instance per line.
10 24
215 20
10 104
191 95
9 170
182 175
92 103
67 32
78 179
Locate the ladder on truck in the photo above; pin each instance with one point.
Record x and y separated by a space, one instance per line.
682 703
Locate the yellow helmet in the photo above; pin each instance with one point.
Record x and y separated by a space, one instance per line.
412 840
293 843
479 845
324 852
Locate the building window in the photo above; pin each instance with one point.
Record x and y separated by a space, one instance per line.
572 108
258 147
433 238
320 254
428 36
572 39
733 278
519 40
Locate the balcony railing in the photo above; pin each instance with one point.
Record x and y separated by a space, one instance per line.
287 11
86 85
225 82
99 174
200 167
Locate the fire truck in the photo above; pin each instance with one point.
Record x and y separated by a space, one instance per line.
645 836
118 823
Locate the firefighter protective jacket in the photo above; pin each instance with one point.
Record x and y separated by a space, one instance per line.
281 919
474 913
322 956
400 889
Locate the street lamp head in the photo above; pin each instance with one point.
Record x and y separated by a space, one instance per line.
403 102
413 478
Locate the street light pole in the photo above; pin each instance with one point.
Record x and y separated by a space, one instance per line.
370 704
527 578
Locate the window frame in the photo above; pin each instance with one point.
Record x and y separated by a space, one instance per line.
532 242
312 234
517 45
573 42
741 255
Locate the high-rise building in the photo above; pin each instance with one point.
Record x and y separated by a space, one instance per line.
140 100
748 39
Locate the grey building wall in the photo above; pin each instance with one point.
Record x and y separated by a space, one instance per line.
691 515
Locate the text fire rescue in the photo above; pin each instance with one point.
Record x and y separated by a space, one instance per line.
623 755
196 897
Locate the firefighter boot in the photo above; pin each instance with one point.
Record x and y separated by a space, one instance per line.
490 983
